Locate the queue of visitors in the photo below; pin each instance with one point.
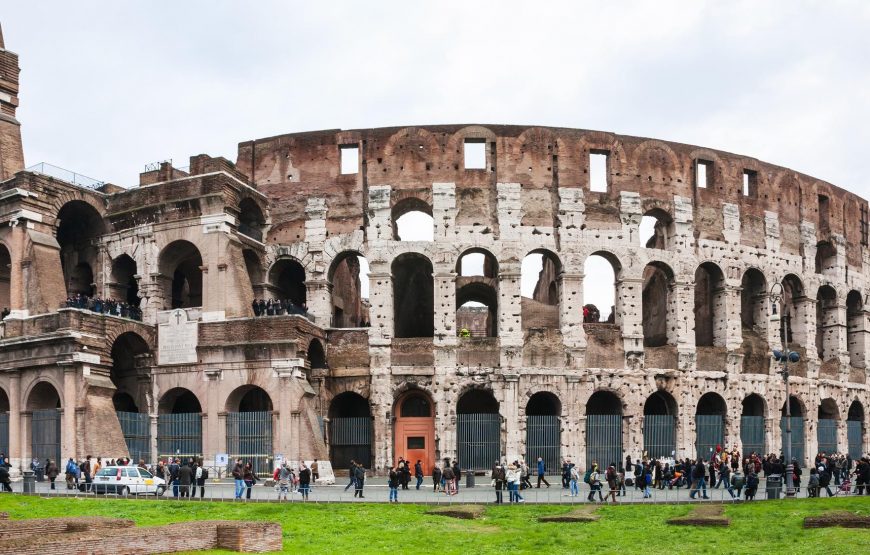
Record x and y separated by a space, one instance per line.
278 307
104 306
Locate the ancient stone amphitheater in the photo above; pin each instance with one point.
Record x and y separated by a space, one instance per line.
444 351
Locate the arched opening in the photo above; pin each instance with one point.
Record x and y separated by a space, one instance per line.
478 430
350 430
829 420
798 417
793 325
125 287
604 430
316 355
287 283
179 425
251 219
753 301
752 430
254 269
349 281
710 321
601 271
544 430
659 425
249 427
477 294
710 424
78 225
827 328
180 267
5 281
656 230
415 429
130 360
413 296
4 422
43 404
412 220
540 285
658 281
855 430
855 329
826 257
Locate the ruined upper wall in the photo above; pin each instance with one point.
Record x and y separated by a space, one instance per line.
291 168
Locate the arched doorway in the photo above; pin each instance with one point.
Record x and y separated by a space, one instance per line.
540 286
659 425
710 325
414 435
855 430
287 283
350 430
251 219
412 220
478 430
477 294
4 423
129 362
413 296
544 430
180 264
829 420
179 425
43 404
316 356
798 414
249 427
124 286
78 223
709 425
349 283
752 431
604 430
658 280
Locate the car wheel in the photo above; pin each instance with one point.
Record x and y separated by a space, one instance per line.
160 490
124 491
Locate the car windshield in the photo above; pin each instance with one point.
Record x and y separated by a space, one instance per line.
144 473
110 471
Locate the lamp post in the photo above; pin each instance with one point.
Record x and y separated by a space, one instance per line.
777 297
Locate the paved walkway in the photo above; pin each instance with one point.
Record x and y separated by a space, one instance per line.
376 490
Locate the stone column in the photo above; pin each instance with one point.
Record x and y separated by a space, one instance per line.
681 323
510 414
69 429
571 307
214 421
17 441
318 293
285 428
510 310
570 424
629 292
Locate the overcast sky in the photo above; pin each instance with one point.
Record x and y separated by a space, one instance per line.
107 87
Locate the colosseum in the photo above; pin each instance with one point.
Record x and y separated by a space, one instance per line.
135 322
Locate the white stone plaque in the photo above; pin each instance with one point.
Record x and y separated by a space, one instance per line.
177 339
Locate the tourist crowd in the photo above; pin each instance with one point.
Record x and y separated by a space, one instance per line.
104 306
278 307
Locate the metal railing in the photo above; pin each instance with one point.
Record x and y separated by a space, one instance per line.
66 175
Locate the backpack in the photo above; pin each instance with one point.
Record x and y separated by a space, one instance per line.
204 473
587 476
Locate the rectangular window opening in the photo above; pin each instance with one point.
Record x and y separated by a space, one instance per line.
349 159
475 154
750 184
824 212
702 173
598 171
416 443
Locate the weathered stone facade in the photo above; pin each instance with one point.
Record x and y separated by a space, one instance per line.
691 312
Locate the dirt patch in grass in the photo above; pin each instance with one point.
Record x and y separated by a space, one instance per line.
703 515
466 512
585 513
843 519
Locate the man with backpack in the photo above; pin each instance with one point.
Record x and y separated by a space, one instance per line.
359 475
594 480
573 480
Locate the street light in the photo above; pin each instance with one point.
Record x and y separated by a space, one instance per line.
777 297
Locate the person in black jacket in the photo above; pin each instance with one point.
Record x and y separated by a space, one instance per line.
4 478
457 474
436 478
699 473
418 473
393 484
825 475
185 477
304 481
359 475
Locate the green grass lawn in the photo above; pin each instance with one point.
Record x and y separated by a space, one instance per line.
759 527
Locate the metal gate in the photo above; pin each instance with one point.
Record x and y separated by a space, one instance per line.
4 433
478 440
544 439
45 435
604 440
752 435
350 439
659 435
827 435
249 437
797 437
179 435
709 432
855 433
136 428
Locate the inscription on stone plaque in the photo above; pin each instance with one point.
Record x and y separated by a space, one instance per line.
177 339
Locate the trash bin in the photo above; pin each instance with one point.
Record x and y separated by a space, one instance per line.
469 478
40 473
29 483
774 486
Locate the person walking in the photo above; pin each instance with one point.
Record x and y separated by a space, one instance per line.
825 475
185 477
200 476
250 478
542 470
751 484
304 481
86 473
51 472
393 484
5 481
513 477
612 482
725 479
498 481
418 473
436 478
594 481
457 475
238 476
573 482
359 475
174 467
351 473
699 473
449 480
284 478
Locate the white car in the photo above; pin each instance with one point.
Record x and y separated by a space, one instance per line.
127 480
